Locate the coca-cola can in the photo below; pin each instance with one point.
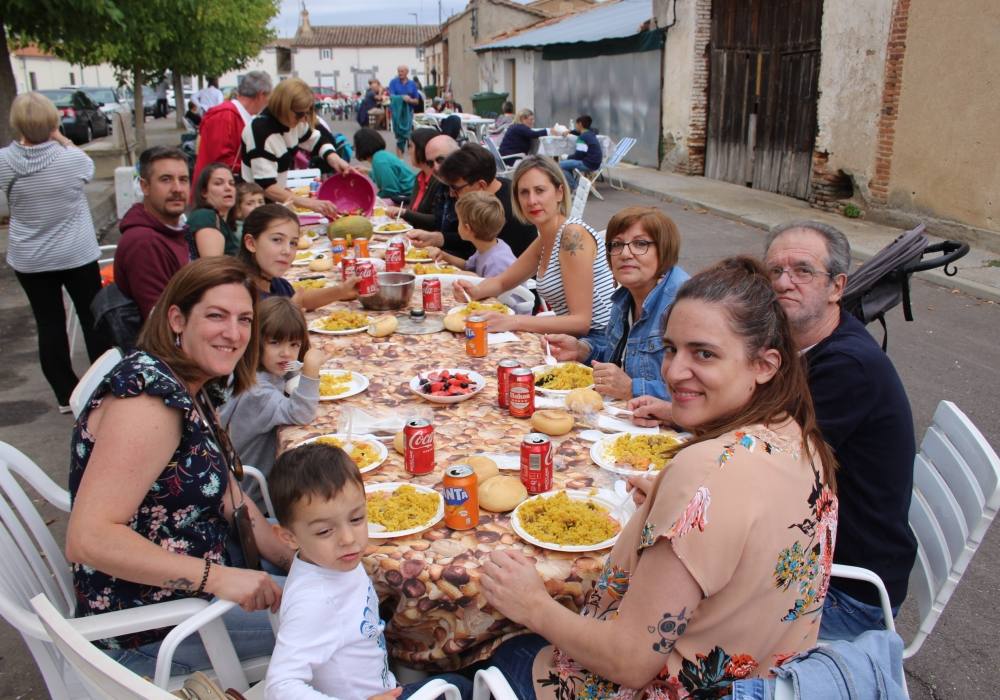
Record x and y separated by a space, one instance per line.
504 368
367 280
348 268
521 392
418 446
536 463
432 294
395 257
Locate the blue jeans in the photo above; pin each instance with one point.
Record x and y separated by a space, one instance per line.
463 684
753 689
845 617
515 658
568 167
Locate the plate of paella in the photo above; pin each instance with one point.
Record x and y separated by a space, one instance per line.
571 520
561 378
366 451
340 322
397 509
635 454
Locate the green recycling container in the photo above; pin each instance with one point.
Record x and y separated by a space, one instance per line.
430 91
488 104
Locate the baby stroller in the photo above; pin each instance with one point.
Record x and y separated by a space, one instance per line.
883 281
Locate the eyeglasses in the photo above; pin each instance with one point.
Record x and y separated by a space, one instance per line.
798 274
301 115
637 247
457 189
439 160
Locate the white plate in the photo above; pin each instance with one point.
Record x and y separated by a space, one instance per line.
555 392
359 383
475 376
448 278
426 275
379 229
314 327
392 486
599 453
383 452
604 498
304 262
461 307
410 260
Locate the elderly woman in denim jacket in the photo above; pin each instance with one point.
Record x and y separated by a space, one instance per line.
643 245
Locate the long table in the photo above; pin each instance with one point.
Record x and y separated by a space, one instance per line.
437 618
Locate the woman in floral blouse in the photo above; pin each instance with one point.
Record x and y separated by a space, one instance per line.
721 573
151 472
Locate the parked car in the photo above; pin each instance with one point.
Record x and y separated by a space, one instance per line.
109 99
148 99
81 119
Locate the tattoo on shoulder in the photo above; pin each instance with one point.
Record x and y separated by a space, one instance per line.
571 242
669 630
183 584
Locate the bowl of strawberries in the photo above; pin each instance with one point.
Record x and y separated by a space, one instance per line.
447 384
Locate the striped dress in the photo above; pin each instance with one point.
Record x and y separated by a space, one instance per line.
550 287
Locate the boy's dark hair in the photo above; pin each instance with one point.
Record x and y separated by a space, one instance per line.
585 120
367 142
280 319
471 163
151 155
309 471
483 213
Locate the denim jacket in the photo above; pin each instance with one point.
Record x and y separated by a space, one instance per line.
644 347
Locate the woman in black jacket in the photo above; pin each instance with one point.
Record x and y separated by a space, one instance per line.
422 212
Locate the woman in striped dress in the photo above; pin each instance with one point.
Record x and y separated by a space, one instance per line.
567 259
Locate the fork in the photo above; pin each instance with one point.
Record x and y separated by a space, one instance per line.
549 358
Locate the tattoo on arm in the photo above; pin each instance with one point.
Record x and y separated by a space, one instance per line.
669 630
571 242
181 584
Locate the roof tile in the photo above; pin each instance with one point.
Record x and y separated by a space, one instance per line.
366 35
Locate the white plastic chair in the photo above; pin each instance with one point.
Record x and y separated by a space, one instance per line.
502 168
91 378
72 322
580 198
34 564
520 298
956 494
490 682
612 161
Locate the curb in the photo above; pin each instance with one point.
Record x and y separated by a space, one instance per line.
937 277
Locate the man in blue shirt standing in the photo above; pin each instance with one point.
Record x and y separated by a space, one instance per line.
402 115
587 157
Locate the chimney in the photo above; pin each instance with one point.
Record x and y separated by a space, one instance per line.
305 29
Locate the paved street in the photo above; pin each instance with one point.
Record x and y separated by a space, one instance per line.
949 352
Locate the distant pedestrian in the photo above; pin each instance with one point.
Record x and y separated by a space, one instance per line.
209 96
161 99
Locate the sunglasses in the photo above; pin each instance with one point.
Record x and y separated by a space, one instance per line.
301 115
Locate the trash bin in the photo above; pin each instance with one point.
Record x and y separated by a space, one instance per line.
430 91
488 104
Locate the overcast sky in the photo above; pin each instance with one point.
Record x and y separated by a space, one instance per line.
364 12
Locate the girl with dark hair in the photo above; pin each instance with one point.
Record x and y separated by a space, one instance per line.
722 571
211 224
393 178
427 189
270 240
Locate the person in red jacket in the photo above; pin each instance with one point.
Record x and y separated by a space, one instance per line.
154 244
220 135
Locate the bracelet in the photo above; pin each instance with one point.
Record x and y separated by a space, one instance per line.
204 577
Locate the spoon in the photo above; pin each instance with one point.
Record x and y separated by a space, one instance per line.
624 491
292 366
549 358
377 527
348 445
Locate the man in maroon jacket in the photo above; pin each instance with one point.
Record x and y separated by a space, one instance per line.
220 134
153 245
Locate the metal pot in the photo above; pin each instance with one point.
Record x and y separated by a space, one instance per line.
394 291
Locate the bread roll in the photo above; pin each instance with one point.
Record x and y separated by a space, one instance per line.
501 493
484 467
551 422
321 264
399 442
304 242
383 326
455 323
584 401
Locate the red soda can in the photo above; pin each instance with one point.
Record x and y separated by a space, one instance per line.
461 498
395 256
348 267
367 280
536 463
338 249
418 446
521 392
432 294
361 247
504 368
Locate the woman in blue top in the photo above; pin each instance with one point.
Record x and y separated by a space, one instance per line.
519 137
392 176
643 245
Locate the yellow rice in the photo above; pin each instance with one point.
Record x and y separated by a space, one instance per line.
343 320
417 254
564 521
334 384
363 453
402 509
309 284
563 377
391 227
432 269
644 452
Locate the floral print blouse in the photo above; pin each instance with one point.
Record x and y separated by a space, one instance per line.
754 524
183 510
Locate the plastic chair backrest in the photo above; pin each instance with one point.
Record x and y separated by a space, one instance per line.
491 146
621 150
91 378
580 198
105 677
956 494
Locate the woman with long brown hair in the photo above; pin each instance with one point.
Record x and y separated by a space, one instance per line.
722 571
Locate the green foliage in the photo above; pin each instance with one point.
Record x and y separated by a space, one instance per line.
851 211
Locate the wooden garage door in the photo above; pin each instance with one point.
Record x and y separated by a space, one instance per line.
763 73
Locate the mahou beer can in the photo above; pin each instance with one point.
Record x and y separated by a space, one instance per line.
395 256
367 280
461 498
504 368
521 392
536 463
418 446
338 249
361 247
348 268
432 294
475 336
